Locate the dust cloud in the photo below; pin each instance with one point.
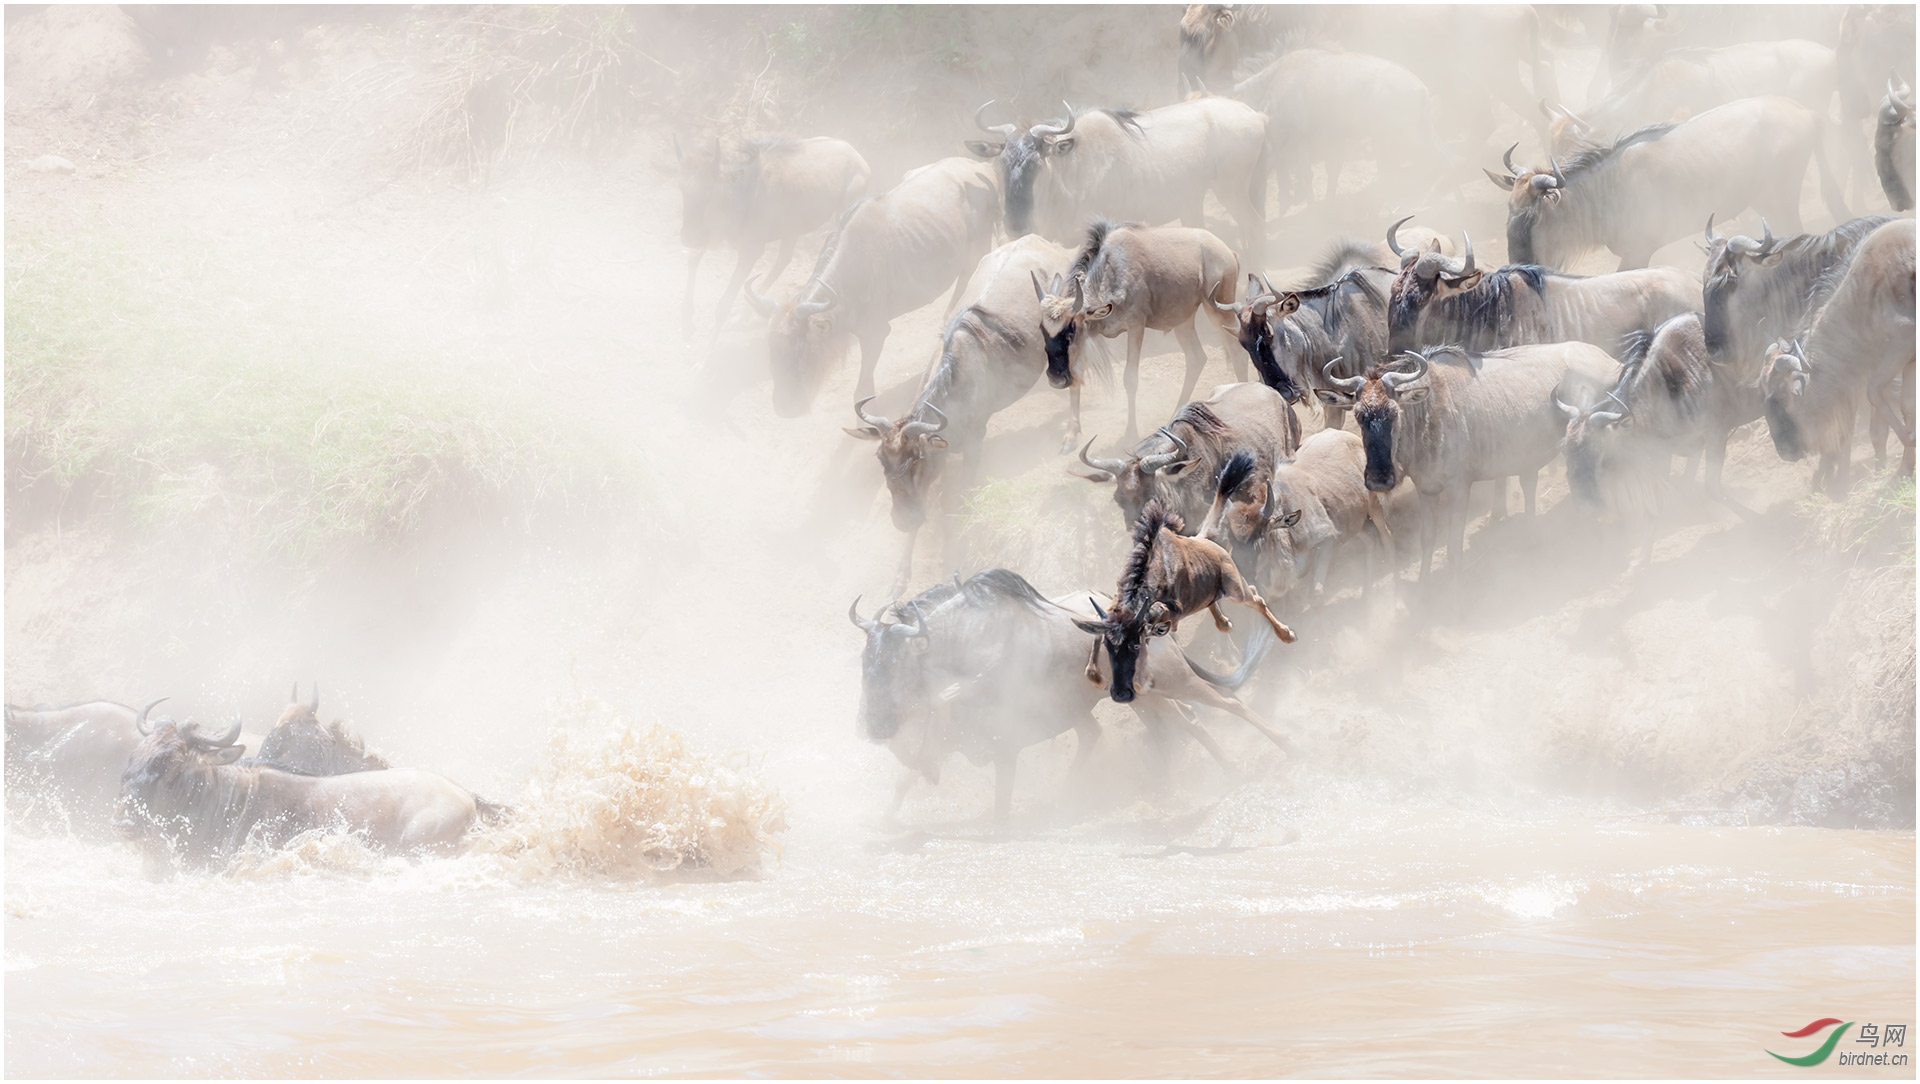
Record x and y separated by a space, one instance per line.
347 345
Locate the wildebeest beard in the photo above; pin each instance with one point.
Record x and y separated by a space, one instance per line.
1520 226
1020 161
1376 437
1713 317
1059 359
1267 365
1785 430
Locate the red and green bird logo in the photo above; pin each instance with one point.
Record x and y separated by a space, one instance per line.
1826 1048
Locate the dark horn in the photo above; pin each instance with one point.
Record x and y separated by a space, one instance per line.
916 426
140 722
1466 267
1559 178
1393 236
1111 466
853 608
878 421
1507 160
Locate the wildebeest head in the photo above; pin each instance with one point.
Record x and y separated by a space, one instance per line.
1727 257
1063 319
894 682
1133 474
1136 614
1586 441
1377 399
804 340
1022 158
1256 315
1243 504
908 448
1203 31
1784 381
1532 197
298 742
154 790
1427 278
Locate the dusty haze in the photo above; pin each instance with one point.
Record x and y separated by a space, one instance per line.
350 351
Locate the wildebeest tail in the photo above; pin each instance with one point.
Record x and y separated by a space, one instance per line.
1259 642
1234 473
491 813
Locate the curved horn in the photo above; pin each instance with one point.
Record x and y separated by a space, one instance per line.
1397 379
1344 383
812 307
916 426
1466 263
1096 608
1571 413
1111 466
762 303
1004 131
1150 464
853 608
1766 239
1604 417
1559 178
919 626
1507 160
878 421
1710 237
1044 130
1393 235
223 739
140 721
314 704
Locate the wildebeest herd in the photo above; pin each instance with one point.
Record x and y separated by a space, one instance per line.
1453 372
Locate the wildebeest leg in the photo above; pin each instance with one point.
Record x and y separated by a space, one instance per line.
1529 489
1322 558
1232 705
1093 662
871 340
904 571
1003 767
686 306
1131 380
1236 588
1430 508
1229 341
749 255
1219 619
1635 255
1189 338
1454 508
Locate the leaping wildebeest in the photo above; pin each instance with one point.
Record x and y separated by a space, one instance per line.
299 743
1176 463
1284 525
1446 419
1441 301
771 190
1153 167
889 255
1652 186
1860 344
1133 279
1167 578
989 667
993 352
1893 146
1682 82
182 797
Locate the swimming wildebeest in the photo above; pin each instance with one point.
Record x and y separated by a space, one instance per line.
1168 577
1860 345
1283 525
181 796
1438 301
1649 188
1133 279
992 354
299 743
1893 146
1176 463
988 667
75 753
889 255
1153 167
772 189
1447 419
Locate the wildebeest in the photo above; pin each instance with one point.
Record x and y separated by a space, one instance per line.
1293 336
1283 525
1152 167
1216 38
1757 291
75 753
1651 186
889 255
299 743
989 667
1683 82
1860 344
1332 107
1168 577
1176 463
1670 400
1439 301
1403 243
1875 39
772 189
1893 146
181 796
1131 279
1452 419
993 352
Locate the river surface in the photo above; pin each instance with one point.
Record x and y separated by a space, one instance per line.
1358 938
